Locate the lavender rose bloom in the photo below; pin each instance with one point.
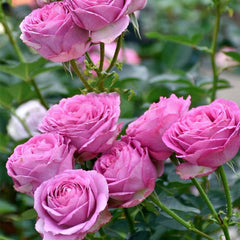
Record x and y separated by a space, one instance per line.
129 172
71 204
106 19
90 121
150 127
206 137
40 158
51 31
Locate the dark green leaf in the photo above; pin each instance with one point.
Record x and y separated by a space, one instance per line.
6 207
29 214
182 39
234 55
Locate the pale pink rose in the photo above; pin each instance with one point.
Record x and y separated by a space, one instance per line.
106 19
40 158
71 204
150 127
31 113
90 121
129 172
224 61
51 31
207 136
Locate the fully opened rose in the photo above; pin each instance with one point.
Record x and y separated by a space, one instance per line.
150 127
106 19
71 204
51 31
90 121
40 158
129 172
206 137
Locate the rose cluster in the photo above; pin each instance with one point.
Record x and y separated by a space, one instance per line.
72 202
64 30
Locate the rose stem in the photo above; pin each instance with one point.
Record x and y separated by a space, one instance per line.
213 50
154 198
12 40
102 56
115 56
80 75
227 191
129 220
42 100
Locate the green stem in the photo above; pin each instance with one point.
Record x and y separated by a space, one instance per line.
115 56
12 40
80 75
42 100
21 121
154 198
102 56
213 50
129 220
212 209
206 199
227 191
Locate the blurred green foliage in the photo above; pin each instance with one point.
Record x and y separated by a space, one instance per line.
169 65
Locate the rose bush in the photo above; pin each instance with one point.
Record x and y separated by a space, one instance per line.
90 121
31 112
129 172
40 158
206 137
105 19
71 204
150 127
51 31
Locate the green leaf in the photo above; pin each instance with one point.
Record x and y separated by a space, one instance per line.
21 91
174 204
27 215
233 55
182 39
5 97
5 238
16 69
142 235
27 70
6 207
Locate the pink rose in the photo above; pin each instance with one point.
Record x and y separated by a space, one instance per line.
150 127
206 137
90 121
51 31
71 204
129 172
106 19
40 158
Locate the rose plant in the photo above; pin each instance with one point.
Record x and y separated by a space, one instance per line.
90 121
40 158
51 31
129 172
105 19
150 127
207 136
71 204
